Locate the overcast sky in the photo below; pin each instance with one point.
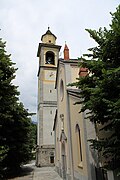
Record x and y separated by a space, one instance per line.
23 22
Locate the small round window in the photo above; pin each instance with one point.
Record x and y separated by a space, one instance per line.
61 90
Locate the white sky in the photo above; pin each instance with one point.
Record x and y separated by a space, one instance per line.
23 22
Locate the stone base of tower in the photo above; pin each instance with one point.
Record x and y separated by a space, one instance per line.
45 156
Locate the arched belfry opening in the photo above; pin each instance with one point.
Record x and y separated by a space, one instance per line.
50 58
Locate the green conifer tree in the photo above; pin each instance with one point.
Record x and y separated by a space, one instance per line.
100 90
16 140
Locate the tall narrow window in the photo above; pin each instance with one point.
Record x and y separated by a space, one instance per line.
78 133
61 89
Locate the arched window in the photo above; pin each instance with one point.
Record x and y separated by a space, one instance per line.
78 133
50 57
61 90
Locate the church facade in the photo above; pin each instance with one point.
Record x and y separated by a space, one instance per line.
74 159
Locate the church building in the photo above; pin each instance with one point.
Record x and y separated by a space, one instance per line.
63 131
74 159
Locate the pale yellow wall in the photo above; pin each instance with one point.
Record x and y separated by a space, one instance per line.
68 74
57 143
48 38
49 77
48 135
63 110
77 118
74 73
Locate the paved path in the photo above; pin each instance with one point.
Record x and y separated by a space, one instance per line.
45 173
31 172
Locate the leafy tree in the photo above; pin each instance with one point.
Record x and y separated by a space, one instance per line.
34 133
100 90
3 153
8 97
19 138
34 138
16 140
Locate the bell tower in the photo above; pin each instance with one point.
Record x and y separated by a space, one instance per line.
48 53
